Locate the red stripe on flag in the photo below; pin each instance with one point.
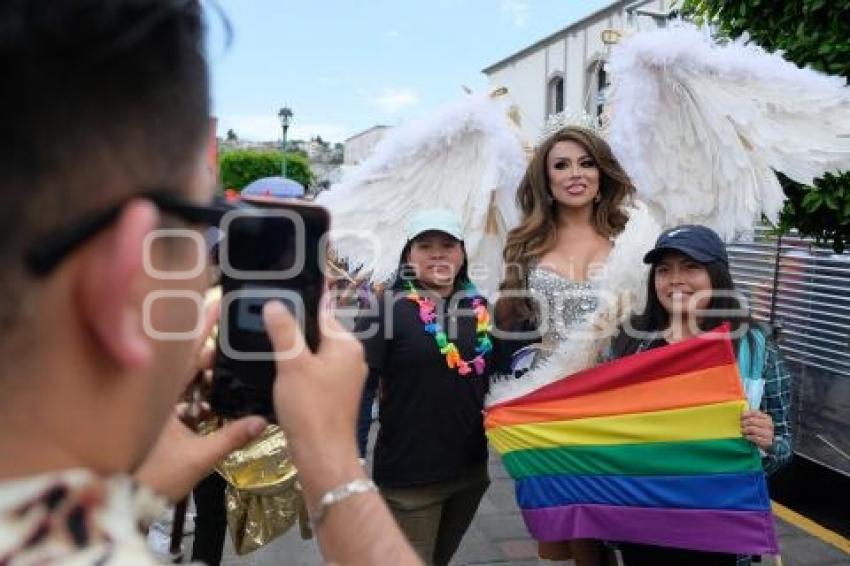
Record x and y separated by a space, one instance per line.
709 350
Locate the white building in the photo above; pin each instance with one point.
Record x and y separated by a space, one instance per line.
359 146
566 70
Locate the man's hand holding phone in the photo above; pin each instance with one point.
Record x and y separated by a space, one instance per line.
313 385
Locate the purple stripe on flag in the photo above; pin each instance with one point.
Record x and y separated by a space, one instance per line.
739 532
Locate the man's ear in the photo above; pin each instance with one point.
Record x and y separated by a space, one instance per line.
112 284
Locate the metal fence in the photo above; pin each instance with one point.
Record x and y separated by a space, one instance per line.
803 291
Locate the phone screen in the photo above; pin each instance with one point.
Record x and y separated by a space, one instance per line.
271 250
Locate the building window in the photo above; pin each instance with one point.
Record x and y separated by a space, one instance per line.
555 95
597 88
601 89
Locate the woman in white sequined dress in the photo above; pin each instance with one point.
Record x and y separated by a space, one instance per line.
572 267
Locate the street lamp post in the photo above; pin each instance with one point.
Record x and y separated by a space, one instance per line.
285 115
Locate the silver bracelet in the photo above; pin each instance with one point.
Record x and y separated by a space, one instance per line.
339 494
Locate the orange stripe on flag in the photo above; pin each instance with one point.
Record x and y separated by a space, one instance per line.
702 387
709 350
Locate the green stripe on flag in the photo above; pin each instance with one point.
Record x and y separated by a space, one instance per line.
718 456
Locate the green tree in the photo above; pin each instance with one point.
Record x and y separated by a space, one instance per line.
239 167
231 135
814 33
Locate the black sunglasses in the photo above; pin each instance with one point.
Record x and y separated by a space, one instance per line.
45 255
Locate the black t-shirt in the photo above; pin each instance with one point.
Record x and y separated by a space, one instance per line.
431 422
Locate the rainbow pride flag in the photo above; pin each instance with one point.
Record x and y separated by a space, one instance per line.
645 449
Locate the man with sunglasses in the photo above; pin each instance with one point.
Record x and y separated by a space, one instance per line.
105 106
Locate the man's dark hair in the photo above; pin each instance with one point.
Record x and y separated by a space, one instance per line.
100 100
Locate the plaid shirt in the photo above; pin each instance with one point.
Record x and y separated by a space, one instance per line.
777 403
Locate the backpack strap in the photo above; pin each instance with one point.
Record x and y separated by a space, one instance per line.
751 362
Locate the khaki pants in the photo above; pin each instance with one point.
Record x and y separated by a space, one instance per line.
435 517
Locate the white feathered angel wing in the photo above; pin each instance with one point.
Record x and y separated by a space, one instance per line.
701 128
467 157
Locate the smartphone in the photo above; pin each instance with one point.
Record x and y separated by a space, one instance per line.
270 250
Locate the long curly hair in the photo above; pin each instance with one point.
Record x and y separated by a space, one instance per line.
538 231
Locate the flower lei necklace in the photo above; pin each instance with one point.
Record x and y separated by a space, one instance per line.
428 316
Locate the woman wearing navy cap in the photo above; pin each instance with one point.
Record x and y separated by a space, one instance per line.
690 291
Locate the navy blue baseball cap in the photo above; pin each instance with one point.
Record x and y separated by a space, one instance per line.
700 243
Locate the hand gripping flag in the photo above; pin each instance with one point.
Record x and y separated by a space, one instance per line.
646 449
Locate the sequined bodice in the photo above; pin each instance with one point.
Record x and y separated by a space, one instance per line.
567 303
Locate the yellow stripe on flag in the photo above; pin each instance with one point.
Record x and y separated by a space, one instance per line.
719 420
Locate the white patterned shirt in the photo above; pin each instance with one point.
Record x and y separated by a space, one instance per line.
75 517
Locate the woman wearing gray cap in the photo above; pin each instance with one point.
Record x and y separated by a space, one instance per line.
428 343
